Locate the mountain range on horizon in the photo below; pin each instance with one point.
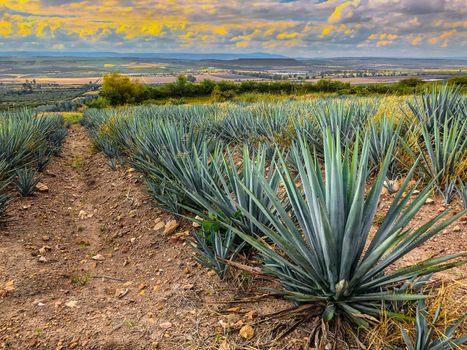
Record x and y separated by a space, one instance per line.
189 56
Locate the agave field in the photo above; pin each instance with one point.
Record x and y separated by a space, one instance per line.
27 142
297 185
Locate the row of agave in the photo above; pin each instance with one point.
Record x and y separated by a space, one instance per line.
27 142
299 183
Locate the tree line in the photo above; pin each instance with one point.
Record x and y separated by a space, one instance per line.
118 89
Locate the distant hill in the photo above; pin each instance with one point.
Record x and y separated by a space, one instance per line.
256 63
162 55
383 63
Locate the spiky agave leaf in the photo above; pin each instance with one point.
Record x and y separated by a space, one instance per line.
214 245
443 149
225 186
175 159
272 120
382 134
5 180
229 187
238 125
26 181
320 254
462 189
425 333
344 117
442 105
26 140
20 139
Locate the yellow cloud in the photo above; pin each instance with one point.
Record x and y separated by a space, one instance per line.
5 28
326 30
220 31
340 12
203 22
383 39
242 44
444 35
270 44
24 28
385 36
153 29
285 35
187 35
383 43
416 40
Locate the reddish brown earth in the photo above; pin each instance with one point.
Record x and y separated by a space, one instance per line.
144 291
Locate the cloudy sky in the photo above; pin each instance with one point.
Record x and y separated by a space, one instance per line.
312 28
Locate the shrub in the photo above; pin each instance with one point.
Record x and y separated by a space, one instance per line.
99 102
460 80
410 82
119 89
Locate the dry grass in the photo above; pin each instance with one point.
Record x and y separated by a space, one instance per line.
451 297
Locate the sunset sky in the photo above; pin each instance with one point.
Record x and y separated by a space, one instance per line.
410 28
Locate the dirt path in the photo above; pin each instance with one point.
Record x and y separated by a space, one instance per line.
141 290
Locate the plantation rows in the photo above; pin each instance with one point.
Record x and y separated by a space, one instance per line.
27 142
299 184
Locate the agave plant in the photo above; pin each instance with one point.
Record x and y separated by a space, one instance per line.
443 149
319 235
20 140
226 185
54 129
5 180
382 134
174 159
344 117
229 187
26 181
27 140
425 332
214 245
310 130
442 105
272 121
238 125
462 189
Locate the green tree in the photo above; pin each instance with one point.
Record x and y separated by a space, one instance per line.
411 82
118 89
